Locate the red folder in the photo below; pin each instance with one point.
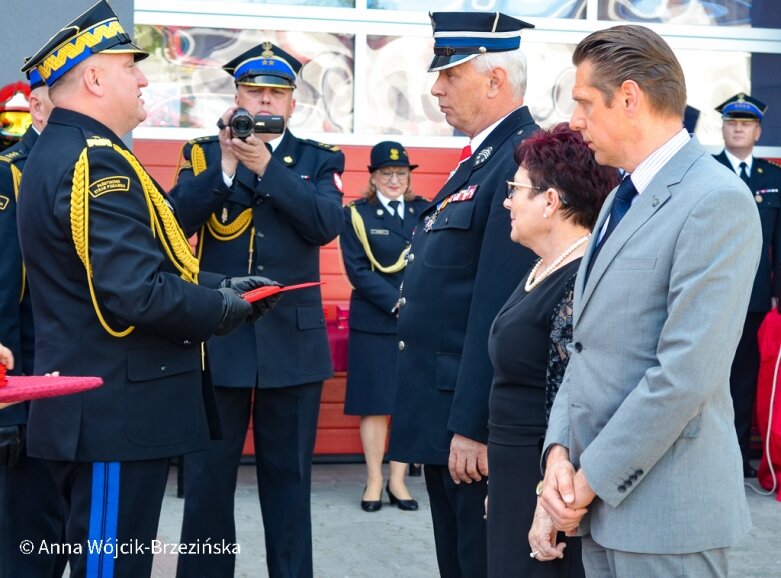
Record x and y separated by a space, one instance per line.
27 387
269 290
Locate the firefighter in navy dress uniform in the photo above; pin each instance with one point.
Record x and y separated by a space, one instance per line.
374 245
741 128
116 293
30 507
462 267
283 206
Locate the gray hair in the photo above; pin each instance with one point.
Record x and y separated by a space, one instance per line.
512 61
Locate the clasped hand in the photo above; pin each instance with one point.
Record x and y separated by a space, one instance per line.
565 492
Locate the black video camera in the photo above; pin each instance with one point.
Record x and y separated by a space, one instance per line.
243 124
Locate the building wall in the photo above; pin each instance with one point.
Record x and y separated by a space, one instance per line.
28 25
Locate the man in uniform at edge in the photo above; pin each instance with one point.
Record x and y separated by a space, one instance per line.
115 294
285 203
30 506
742 117
462 266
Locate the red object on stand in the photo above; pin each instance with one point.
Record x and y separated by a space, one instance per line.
769 336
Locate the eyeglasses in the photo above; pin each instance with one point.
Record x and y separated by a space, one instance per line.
387 175
512 188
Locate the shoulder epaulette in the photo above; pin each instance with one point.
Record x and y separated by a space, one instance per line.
356 202
203 139
774 163
99 141
321 145
9 157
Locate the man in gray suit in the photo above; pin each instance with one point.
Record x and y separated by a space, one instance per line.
641 451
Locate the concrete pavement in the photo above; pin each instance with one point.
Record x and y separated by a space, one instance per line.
349 543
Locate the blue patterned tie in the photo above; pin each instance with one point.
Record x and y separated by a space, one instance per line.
622 202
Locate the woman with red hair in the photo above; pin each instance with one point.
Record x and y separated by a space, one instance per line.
553 200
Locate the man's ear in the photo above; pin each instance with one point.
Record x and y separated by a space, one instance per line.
497 79
628 96
91 78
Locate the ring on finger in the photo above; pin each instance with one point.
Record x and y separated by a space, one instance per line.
534 554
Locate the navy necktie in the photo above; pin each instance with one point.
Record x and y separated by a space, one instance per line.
621 205
395 206
743 173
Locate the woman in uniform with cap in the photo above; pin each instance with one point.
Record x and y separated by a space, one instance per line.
374 246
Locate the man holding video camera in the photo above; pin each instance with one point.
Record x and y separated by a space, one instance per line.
285 203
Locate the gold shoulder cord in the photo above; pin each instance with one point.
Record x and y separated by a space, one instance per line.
16 176
220 231
360 231
162 223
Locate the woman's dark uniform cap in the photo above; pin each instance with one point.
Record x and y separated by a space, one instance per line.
742 106
96 30
389 154
460 36
264 65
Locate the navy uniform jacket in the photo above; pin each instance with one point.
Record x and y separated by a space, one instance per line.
16 317
765 185
459 274
153 402
295 209
375 293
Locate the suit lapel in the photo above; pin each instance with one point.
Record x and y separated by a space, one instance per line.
644 208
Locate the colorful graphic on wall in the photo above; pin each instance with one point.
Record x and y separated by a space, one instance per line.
188 88
520 8
704 12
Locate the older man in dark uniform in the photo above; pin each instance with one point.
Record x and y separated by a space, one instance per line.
285 203
462 266
30 507
116 294
741 127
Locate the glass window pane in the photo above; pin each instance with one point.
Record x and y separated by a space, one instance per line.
705 12
188 88
520 8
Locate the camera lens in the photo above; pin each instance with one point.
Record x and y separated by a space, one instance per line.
242 124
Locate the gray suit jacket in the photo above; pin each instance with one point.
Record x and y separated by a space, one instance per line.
645 407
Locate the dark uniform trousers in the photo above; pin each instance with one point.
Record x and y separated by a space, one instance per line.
461 268
108 448
765 186
284 422
282 360
29 505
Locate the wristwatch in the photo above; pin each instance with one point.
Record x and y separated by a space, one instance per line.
538 489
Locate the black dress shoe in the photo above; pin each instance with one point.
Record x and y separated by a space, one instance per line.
749 471
414 470
407 505
371 505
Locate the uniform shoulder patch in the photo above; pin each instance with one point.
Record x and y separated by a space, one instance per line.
203 139
9 157
322 145
98 141
4 202
115 184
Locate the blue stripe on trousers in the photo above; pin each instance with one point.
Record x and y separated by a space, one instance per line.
104 512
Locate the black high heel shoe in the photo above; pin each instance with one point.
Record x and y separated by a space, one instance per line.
371 505
407 505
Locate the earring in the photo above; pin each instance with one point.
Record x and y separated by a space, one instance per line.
545 215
